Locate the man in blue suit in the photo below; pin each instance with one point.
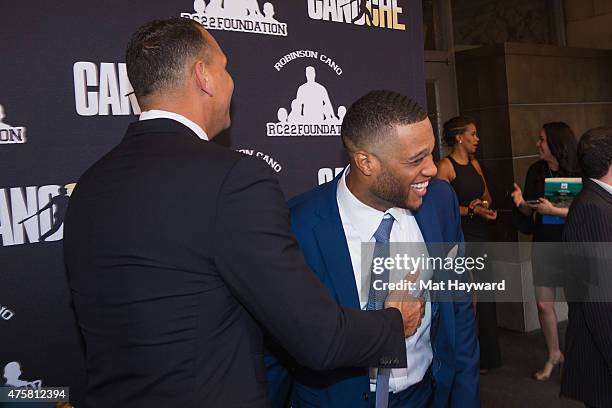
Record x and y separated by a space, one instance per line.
387 193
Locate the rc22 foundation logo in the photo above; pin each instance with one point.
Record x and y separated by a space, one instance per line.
372 13
237 15
33 214
10 134
311 111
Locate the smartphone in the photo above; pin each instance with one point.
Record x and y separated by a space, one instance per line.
533 202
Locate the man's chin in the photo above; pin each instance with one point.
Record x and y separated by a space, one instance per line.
414 203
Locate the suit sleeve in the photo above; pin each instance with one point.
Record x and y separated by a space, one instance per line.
258 258
598 316
466 386
590 227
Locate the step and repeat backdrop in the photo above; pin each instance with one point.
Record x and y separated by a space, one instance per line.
65 101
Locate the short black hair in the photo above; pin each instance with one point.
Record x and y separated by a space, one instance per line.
158 52
595 152
371 118
455 126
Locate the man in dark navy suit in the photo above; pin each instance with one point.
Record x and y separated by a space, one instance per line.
172 291
386 194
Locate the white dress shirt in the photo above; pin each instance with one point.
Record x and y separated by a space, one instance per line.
360 222
158 114
603 185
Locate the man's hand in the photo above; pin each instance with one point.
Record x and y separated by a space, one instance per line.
412 309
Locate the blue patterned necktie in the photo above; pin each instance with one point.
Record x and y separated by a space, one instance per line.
376 301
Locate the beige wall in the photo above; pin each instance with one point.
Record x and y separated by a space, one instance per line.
589 23
512 89
480 22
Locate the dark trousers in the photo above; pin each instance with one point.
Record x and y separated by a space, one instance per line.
490 354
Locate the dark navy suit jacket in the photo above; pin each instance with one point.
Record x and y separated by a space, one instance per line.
317 225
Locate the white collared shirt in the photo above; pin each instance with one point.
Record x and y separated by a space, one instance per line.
603 185
159 114
360 222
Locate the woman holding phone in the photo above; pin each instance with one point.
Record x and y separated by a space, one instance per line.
557 149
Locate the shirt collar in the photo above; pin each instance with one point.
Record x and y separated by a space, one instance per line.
365 219
159 114
603 185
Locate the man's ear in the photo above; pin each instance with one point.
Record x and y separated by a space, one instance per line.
203 78
366 162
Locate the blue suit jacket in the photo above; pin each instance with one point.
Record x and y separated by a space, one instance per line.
318 228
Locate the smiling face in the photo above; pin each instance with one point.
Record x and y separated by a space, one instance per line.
405 167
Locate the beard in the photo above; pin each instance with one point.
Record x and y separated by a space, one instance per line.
389 188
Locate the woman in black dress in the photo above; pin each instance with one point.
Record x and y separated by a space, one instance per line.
465 175
557 148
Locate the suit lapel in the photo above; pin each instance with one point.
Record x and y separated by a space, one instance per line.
330 236
335 252
427 219
428 222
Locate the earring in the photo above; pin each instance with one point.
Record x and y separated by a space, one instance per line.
460 141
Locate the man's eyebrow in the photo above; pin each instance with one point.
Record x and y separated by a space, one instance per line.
421 153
